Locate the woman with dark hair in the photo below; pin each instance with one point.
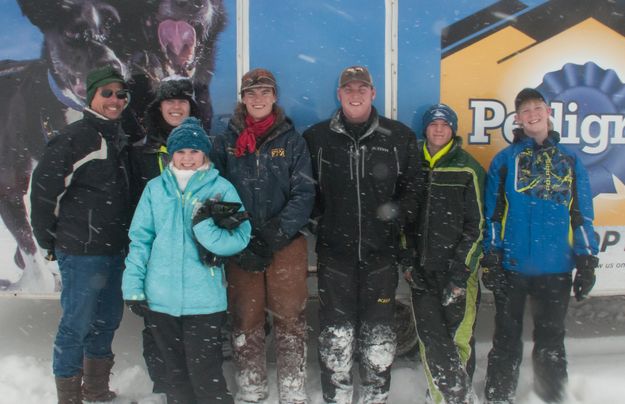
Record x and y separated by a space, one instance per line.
268 162
173 103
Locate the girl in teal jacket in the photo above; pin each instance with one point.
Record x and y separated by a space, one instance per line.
183 300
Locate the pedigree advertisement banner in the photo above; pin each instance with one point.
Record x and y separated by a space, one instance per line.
572 51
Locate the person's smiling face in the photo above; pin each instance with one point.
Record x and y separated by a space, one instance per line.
174 111
356 98
188 159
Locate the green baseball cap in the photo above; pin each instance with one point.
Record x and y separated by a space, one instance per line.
100 77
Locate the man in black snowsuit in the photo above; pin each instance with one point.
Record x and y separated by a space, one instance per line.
365 167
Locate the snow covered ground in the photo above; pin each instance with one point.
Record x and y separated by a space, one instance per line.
596 347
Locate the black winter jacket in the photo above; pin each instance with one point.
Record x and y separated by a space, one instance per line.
79 196
366 186
449 228
274 182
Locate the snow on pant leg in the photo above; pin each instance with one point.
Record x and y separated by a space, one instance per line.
84 278
169 337
247 304
286 298
203 350
338 303
153 359
549 300
438 327
504 359
377 340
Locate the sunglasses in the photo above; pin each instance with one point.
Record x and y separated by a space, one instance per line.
120 94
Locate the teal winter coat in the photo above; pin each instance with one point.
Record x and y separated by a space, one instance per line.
163 264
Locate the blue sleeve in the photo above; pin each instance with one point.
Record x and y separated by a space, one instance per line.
582 214
495 203
142 235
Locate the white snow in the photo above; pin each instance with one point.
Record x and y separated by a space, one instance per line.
596 365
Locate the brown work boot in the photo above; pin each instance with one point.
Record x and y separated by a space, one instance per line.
96 374
68 389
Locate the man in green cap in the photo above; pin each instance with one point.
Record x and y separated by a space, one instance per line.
80 215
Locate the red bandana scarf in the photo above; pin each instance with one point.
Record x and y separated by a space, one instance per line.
246 142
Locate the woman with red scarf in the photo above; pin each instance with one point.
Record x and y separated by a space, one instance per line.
268 162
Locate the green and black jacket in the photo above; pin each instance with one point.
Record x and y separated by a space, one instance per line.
448 232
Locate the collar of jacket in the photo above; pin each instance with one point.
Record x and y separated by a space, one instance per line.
280 126
553 138
108 128
336 124
442 155
197 181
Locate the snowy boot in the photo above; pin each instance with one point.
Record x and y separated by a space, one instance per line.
96 373
68 389
290 344
250 366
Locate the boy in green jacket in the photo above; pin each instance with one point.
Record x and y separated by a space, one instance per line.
447 240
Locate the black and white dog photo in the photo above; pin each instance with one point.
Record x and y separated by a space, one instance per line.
146 40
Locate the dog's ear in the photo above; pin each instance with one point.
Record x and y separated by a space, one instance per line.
41 13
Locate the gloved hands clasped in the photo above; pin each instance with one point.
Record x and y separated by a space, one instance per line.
226 215
584 276
266 240
493 275
257 256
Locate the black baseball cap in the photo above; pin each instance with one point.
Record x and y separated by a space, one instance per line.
527 94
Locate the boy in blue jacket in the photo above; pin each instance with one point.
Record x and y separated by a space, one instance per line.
539 216
181 294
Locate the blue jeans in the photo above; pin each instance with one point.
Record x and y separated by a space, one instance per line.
92 305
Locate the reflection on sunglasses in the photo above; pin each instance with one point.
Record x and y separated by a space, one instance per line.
120 94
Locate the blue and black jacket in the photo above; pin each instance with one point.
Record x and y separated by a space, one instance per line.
275 182
538 205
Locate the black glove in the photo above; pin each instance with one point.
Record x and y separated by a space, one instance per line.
456 288
50 255
249 261
493 274
272 234
138 307
585 275
233 221
218 210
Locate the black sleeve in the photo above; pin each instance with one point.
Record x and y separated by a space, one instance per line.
50 180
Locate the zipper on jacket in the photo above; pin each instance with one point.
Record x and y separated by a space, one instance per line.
90 228
364 152
350 155
397 160
358 201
